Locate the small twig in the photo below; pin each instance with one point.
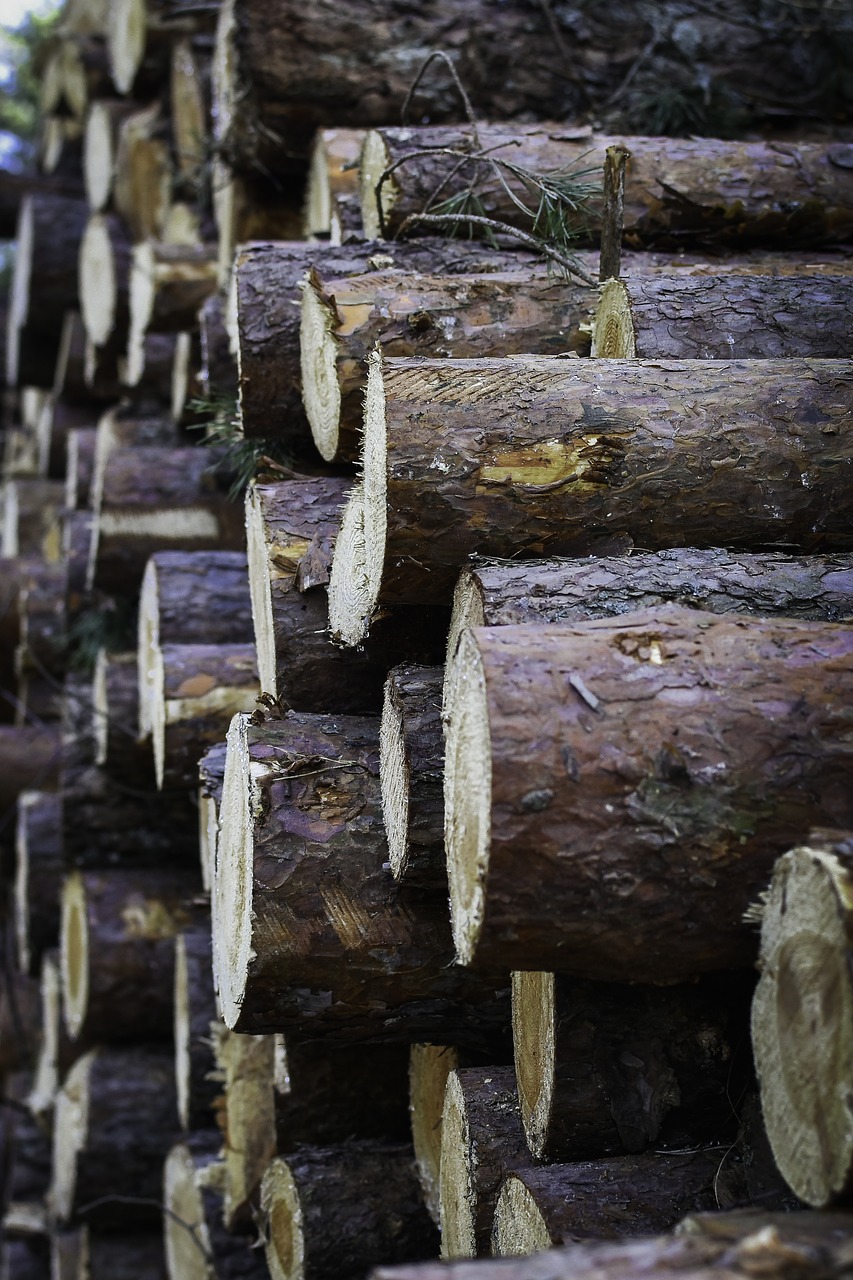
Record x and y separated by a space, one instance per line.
504 229
192 1230
438 55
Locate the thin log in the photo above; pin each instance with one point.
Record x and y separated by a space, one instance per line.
690 794
331 194
100 147
211 774
411 771
466 317
802 1027
38 876
293 866
717 317
340 1210
194 1006
195 1238
44 282
105 255
115 716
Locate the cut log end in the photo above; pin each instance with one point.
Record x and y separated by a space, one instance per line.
467 796
613 336
802 1019
100 707
533 1036
42 1096
147 643
185 1233
394 776
97 281
373 163
519 1228
457 1195
318 196
468 611
74 953
260 590
126 30
143 291
232 887
375 459
429 1067
70 1130
285 1248
351 598
321 392
98 155
157 713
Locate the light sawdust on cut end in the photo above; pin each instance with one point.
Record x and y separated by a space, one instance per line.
394 778
613 335
519 1228
318 352
74 953
372 164
350 599
467 611
285 1247
231 900
260 591
457 1194
429 1067
374 477
533 1039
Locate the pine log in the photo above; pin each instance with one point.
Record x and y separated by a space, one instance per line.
333 1212
139 35
100 147
133 1256
115 1117
43 627
604 1070
115 703
194 1007
186 380
117 951
211 770
30 758
197 688
716 317
31 518
411 758
802 1016
27 1169
481 1140
73 75
79 467
168 285
331 193
38 877
178 589
429 1067
816 587
249 207
105 256
124 426
602 1199
267 279
291 527
700 191
551 457
645 760
142 173
198 1247
246 1068
218 365
466 317
56 1051
307 919
189 102
31 355
14 187
44 282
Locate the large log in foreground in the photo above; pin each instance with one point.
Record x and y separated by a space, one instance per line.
802 1016
543 456
311 933
617 791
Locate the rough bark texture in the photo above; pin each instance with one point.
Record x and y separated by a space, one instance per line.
340 951
412 775
200 597
40 866
697 191
44 630
657 764
194 1012
545 457
20 1010
343 1210
31 518
718 317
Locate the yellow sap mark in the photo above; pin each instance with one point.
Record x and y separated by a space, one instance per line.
548 462
148 918
196 686
353 314
284 558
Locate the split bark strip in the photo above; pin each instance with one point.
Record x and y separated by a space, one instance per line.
605 1070
331 200
341 1210
466 317
117 951
482 1139
105 258
802 1015
602 1199
411 772
543 457
38 876
306 916
718 317
677 191
613 213
115 1116
194 1007
291 528
664 819
771 584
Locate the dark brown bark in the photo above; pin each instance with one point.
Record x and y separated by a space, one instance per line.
57 1052
181 279
193 1201
40 869
15 187
154 376
25 1259
200 597
58 420
30 760
412 774
136 1256
706 317
678 755
76 540
27 1173
677 191
194 1014
341 952
219 373
349 1207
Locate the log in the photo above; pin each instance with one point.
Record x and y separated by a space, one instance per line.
79 467
429 1067
294 867
218 365
801 1015
56 1051
14 187
602 1199
340 1210
43 642
19 1021
148 365
72 76
38 877
411 758
194 1007
606 1070
44 281
716 317
76 540
117 951
291 527
189 101
139 35
482 1139
645 757
331 194
211 773
31 518
115 715
115 1116
193 1229
249 207
464 317
143 174
105 256
186 380
168 285
598 452
100 148
698 191
246 1067
27 1171
818 587
30 758
175 608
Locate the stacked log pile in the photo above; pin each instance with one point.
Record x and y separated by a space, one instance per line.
385 846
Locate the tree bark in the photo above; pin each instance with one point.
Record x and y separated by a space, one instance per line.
15 187
44 630
604 1070
38 878
482 1139
195 1013
115 1116
30 759
341 1210
654 816
463 317
411 771
302 888
331 197
551 457
56 1051
79 467
25 1259
291 529
699 191
801 1015
717 317
19 1021
44 283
